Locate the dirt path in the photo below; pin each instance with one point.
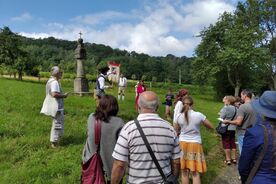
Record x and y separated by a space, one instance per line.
229 175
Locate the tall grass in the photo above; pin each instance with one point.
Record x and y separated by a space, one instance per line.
25 152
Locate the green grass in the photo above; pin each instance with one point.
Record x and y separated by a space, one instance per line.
25 153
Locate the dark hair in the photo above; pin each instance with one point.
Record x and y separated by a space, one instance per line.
103 70
273 125
186 106
247 92
108 106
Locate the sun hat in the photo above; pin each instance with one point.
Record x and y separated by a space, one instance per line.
266 104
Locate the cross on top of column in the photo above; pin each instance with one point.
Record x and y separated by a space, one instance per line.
80 33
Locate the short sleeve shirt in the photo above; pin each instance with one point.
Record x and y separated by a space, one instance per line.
190 132
130 148
55 87
249 117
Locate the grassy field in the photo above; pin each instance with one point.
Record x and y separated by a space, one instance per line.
25 152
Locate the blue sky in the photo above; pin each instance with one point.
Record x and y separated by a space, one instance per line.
154 27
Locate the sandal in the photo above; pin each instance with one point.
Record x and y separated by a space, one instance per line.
234 161
228 162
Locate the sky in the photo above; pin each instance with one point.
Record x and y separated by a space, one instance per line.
154 27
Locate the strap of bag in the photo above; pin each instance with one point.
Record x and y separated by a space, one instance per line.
232 117
149 149
260 158
97 132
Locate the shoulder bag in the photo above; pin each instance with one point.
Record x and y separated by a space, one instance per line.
92 170
223 129
167 180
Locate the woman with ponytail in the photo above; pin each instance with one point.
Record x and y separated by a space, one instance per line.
187 126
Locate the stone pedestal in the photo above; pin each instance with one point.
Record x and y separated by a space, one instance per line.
80 83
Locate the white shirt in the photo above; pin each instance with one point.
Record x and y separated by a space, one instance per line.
177 110
101 80
55 87
122 81
190 132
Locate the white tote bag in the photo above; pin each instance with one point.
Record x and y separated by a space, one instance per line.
50 106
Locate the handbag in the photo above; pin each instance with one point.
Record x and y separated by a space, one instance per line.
92 171
223 129
171 179
50 106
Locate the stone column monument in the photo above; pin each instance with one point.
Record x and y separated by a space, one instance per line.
80 82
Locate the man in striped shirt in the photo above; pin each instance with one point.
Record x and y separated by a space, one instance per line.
130 147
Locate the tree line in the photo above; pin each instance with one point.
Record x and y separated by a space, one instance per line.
238 51
20 55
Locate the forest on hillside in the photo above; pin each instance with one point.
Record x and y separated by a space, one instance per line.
41 54
237 52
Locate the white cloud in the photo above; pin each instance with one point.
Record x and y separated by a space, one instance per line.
24 17
160 29
100 18
202 13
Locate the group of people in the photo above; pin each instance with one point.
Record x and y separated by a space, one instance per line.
245 119
178 148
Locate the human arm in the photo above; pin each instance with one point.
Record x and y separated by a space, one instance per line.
241 112
102 83
59 95
118 170
175 165
177 128
55 90
207 124
237 121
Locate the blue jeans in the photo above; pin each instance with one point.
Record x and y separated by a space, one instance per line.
240 142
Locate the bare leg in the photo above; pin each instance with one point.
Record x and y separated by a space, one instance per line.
185 176
196 178
227 154
233 155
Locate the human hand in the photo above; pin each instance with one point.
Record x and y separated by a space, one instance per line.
226 121
66 94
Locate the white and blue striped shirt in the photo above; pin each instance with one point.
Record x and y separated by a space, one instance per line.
130 148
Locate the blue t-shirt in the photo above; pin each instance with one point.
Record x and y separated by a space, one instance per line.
169 99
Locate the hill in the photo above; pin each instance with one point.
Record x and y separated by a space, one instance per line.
30 56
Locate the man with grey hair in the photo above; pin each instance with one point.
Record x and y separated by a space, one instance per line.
130 147
54 105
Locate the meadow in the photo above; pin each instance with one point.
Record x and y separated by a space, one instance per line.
25 153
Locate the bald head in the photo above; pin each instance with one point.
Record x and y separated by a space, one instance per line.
148 102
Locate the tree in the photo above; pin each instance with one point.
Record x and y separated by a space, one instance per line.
230 47
264 12
10 52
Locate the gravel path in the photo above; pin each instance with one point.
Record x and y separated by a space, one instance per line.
229 175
